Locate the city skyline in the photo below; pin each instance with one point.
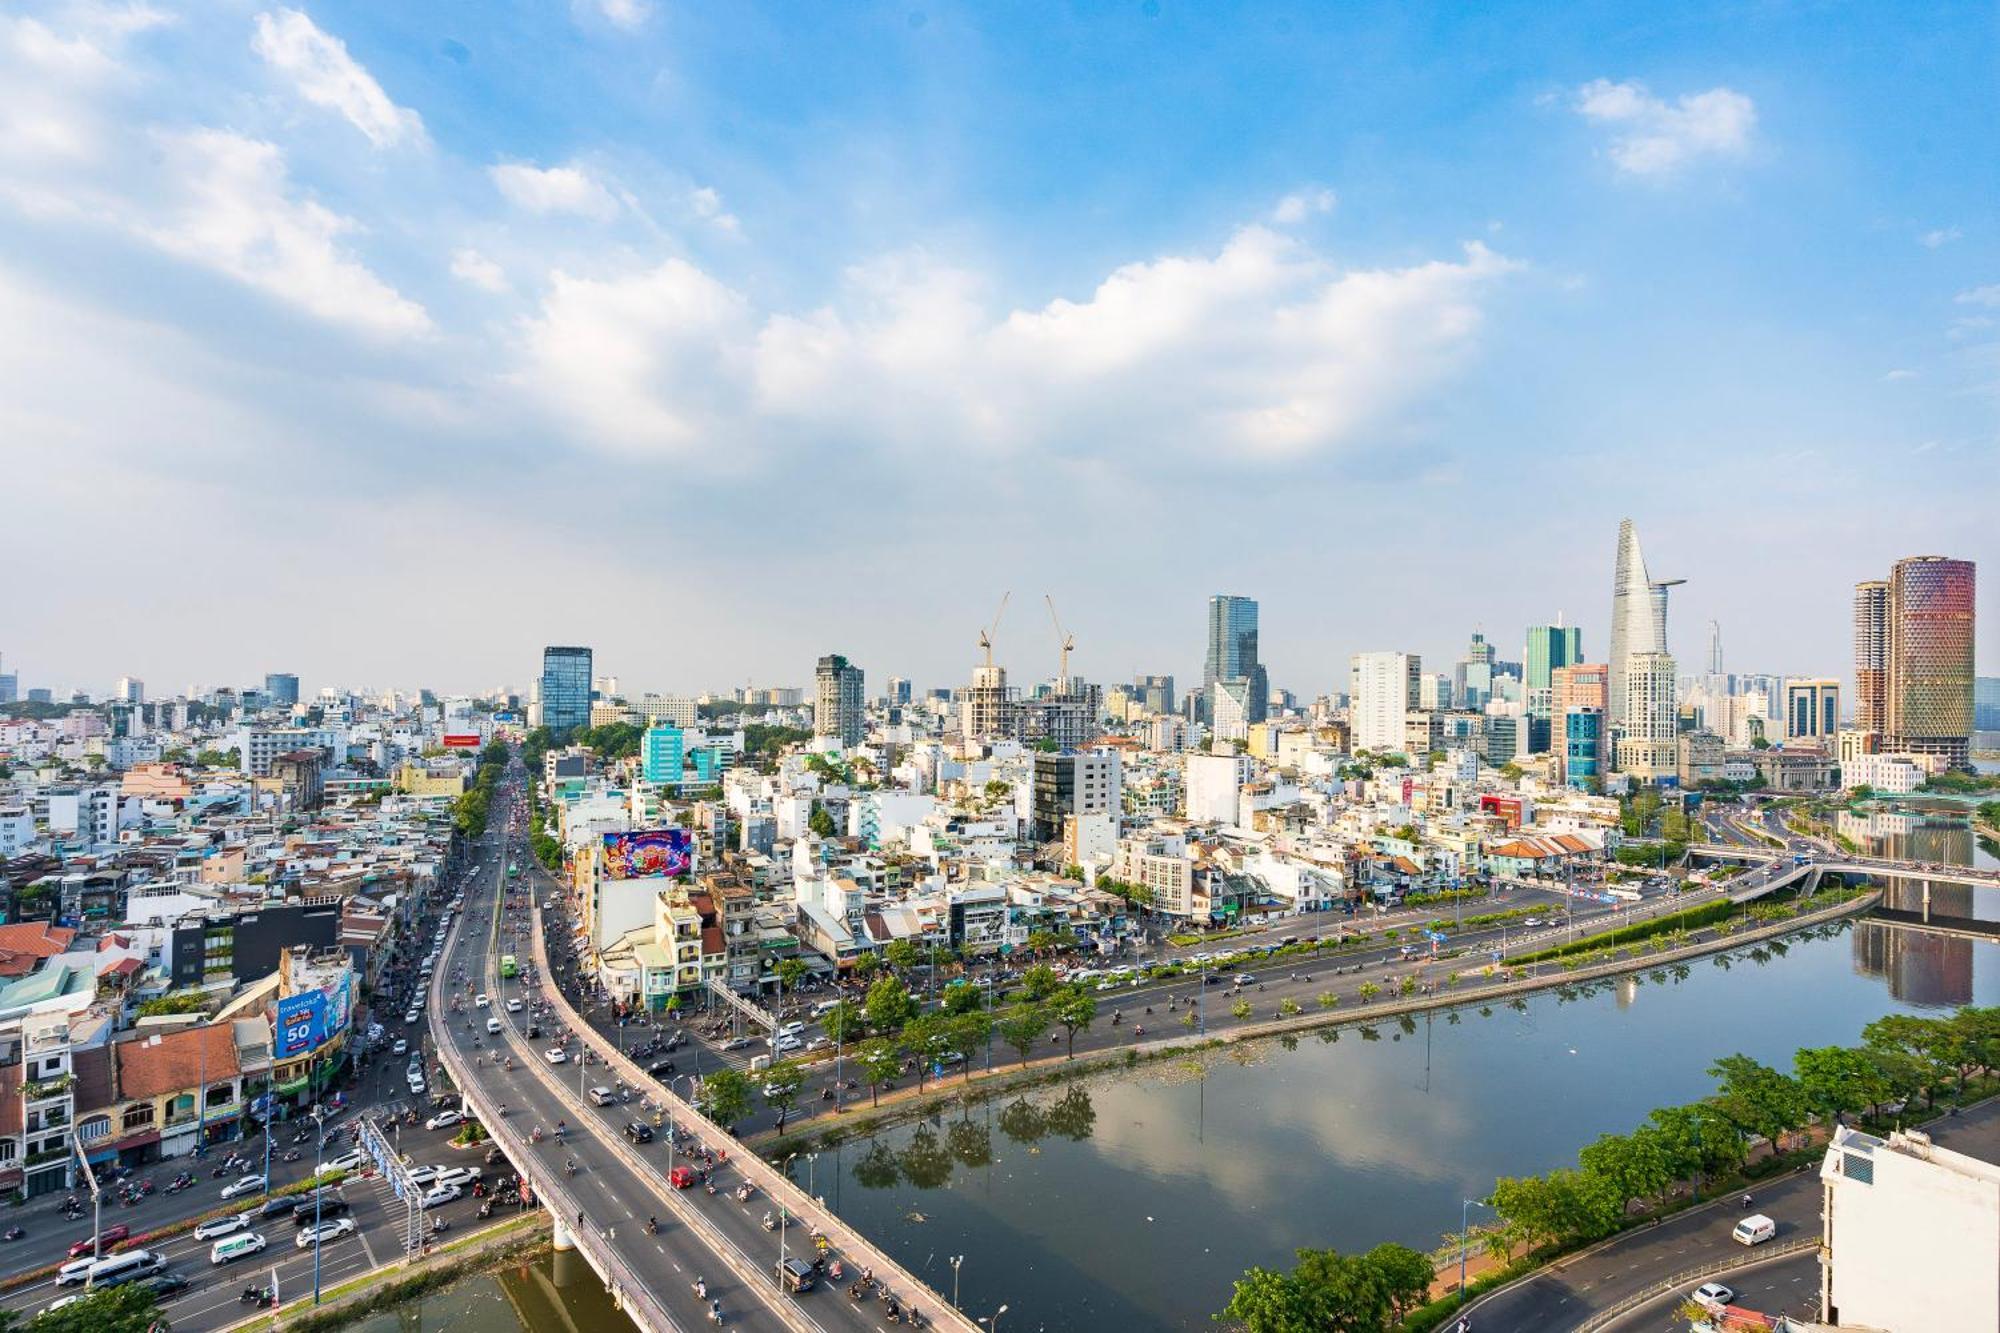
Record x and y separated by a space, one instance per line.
381 294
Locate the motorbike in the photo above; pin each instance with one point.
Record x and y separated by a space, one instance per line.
715 1313
770 1222
569 1168
13 1233
745 1191
257 1296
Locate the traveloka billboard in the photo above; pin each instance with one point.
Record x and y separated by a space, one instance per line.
311 1018
648 854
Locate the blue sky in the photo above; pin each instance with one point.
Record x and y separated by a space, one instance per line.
387 343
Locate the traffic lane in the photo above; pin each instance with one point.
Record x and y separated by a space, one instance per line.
616 1202
1788 1285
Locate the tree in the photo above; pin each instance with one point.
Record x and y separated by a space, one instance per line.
1267 1301
1241 1009
1635 1165
174 1002
1047 941
782 1082
926 1038
879 1064
1073 1007
213 759
1758 1099
889 1005
790 972
842 1022
725 1096
1040 982
962 997
1405 1274
1696 1141
820 822
1837 1080
968 1033
132 1308
902 955
1023 1026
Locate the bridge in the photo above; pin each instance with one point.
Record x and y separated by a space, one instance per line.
601 1211
1846 864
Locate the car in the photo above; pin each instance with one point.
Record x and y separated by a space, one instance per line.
601 1096
232 1248
492 1026
534 1032
555 1055
1532 921
163 1285
425 1175
438 1195
402 1047
320 1210
417 1085
348 1161
458 1175
796 1274
411 1016
218 1227
513 1006
639 1132
1713 1295
782 1042
681 1178
236 1189
737 1044
108 1237
480 1001
325 1231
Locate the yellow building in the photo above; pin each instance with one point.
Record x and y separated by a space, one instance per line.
416 780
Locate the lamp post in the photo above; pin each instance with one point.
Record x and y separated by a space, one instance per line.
811 1157
784 1169
319 1193
993 1322
1464 1223
956 1260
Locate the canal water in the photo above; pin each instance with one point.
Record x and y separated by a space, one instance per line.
557 1294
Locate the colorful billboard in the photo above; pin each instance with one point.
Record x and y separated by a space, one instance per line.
648 854
461 740
308 1020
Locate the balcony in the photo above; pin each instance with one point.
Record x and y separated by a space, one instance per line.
47 1088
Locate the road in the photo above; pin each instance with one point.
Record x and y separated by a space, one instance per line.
1564 1296
714 1237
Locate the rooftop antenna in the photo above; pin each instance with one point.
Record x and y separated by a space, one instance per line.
986 635
1064 641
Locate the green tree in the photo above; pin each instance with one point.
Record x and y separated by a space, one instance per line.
1636 1165
1073 1007
820 822
1405 1274
725 1096
1758 1099
926 1038
131 1308
1023 1026
842 1022
902 955
1268 1301
1697 1141
962 997
1040 982
968 1033
1047 941
1838 1080
782 1082
1241 1009
890 1005
213 759
790 972
174 1002
879 1064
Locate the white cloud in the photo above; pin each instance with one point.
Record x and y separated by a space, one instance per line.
626 14
1265 349
553 190
1653 137
1989 295
707 206
232 209
1298 207
468 265
326 76
1900 375
1939 236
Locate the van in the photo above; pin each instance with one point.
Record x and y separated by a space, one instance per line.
1754 1230
231 1248
825 1007
73 1272
122 1268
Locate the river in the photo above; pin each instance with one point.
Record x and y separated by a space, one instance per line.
557 1294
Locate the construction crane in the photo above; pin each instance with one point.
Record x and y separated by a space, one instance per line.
1064 641
986 635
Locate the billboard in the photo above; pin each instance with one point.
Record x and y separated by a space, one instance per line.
461 740
648 854
306 1021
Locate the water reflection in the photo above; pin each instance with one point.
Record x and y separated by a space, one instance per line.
936 1147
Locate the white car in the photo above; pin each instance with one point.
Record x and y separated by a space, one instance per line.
445 1120
326 1231
513 1006
492 1025
480 1002
555 1056
425 1175
417 1085
236 1189
402 1047
217 1227
786 1042
1713 1295
350 1161
457 1175
439 1195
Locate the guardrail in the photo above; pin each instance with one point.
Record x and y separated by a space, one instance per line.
1783 1250
774 1183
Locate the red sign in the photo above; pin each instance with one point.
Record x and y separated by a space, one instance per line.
463 740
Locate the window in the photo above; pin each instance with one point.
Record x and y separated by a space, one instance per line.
94 1128
138 1117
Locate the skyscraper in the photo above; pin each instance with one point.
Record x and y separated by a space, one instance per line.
281 689
1929 690
565 688
1812 711
130 690
837 706
1582 687
1550 649
1638 617
1232 652
1472 677
1871 655
1648 748
1383 689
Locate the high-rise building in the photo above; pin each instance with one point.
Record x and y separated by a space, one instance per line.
1986 703
130 690
1232 652
565 688
1550 649
899 691
1383 689
1583 685
1068 783
1472 677
1648 746
281 689
1812 711
1155 692
1582 749
1714 650
988 710
1871 655
1929 689
1638 617
837 700
10 687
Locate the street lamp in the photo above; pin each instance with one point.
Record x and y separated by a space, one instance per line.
1464 1223
956 1260
784 1216
994 1322
811 1157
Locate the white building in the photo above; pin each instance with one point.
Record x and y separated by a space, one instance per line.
1911 1235
1890 774
1214 785
1383 689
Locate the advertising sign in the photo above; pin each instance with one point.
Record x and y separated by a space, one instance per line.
461 740
301 1023
648 854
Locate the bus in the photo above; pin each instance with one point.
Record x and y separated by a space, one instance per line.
508 967
513 870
